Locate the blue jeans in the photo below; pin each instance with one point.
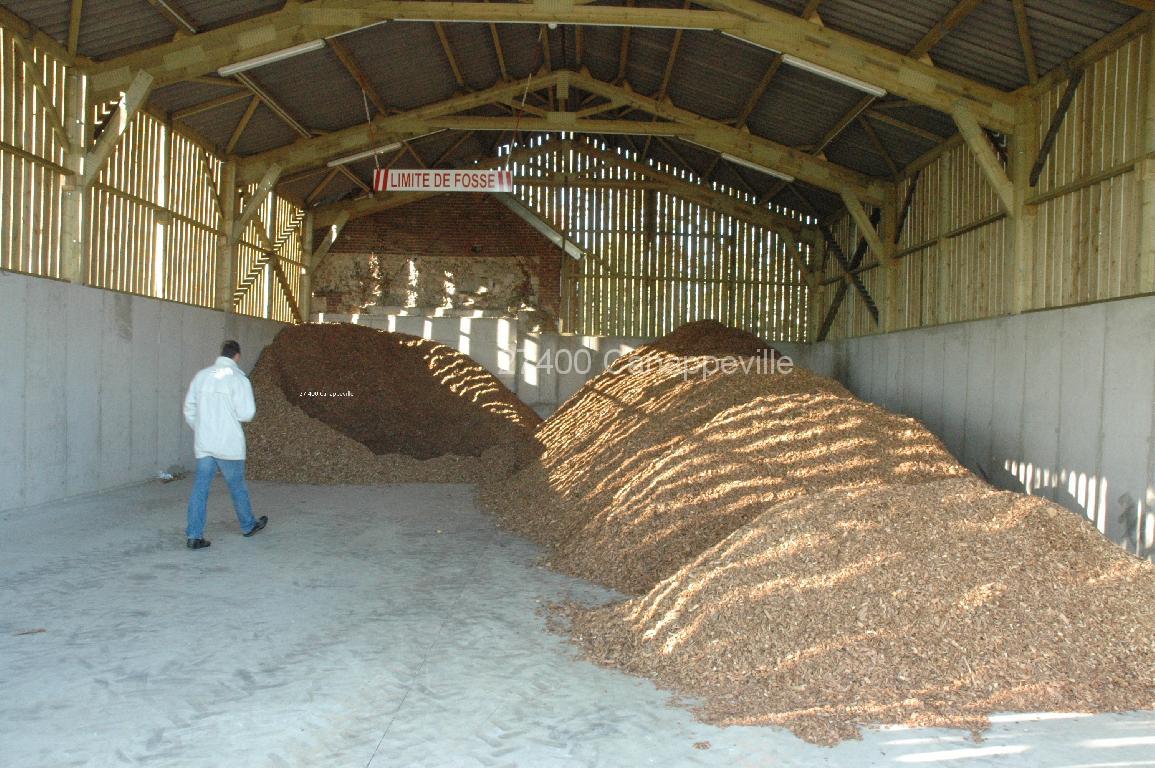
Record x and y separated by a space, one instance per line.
234 473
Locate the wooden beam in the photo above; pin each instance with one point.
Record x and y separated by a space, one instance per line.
308 152
980 146
902 125
1137 26
498 50
75 14
452 148
450 57
242 124
879 147
205 106
36 81
253 204
129 105
865 226
40 40
226 266
345 56
320 188
332 232
953 18
749 20
901 74
694 192
174 16
624 51
1025 43
1056 124
723 138
273 105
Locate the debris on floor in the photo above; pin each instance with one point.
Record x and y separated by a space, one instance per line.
340 403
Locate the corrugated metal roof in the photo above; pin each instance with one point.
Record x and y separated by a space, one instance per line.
789 114
713 75
315 89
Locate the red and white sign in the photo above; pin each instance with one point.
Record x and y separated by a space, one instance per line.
422 180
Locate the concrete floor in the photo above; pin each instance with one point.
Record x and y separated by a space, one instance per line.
368 626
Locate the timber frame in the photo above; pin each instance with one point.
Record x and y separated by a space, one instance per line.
573 103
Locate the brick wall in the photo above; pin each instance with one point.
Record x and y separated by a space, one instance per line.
492 258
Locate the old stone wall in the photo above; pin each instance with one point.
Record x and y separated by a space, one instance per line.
461 251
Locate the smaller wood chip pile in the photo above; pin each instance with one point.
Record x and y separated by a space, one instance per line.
663 456
340 403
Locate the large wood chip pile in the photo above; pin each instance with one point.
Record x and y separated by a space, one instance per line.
341 403
803 558
929 605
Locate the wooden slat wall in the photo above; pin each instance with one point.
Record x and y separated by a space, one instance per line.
31 163
955 257
646 274
1087 245
263 296
151 217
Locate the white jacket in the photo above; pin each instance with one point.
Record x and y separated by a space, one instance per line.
218 400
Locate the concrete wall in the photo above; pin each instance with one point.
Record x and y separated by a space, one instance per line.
1056 403
91 384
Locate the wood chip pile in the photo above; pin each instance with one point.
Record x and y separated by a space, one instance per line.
802 558
663 456
929 605
341 403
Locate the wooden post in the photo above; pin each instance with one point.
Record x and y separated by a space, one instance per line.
892 265
1146 173
226 245
1021 232
73 248
305 300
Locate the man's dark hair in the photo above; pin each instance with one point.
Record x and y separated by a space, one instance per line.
230 349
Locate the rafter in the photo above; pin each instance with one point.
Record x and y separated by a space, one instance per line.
449 55
879 147
175 16
750 20
498 50
624 51
944 26
902 125
273 105
75 13
349 62
448 153
242 124
933 37
672 121
303 154
318 190
205 106
1024 28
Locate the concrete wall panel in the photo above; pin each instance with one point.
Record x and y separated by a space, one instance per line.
145 385
85 311
45 410
92 384
1060 403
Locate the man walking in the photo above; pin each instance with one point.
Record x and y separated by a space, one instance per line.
218 400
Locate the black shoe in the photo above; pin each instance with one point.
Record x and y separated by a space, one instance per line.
197 543
262 521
